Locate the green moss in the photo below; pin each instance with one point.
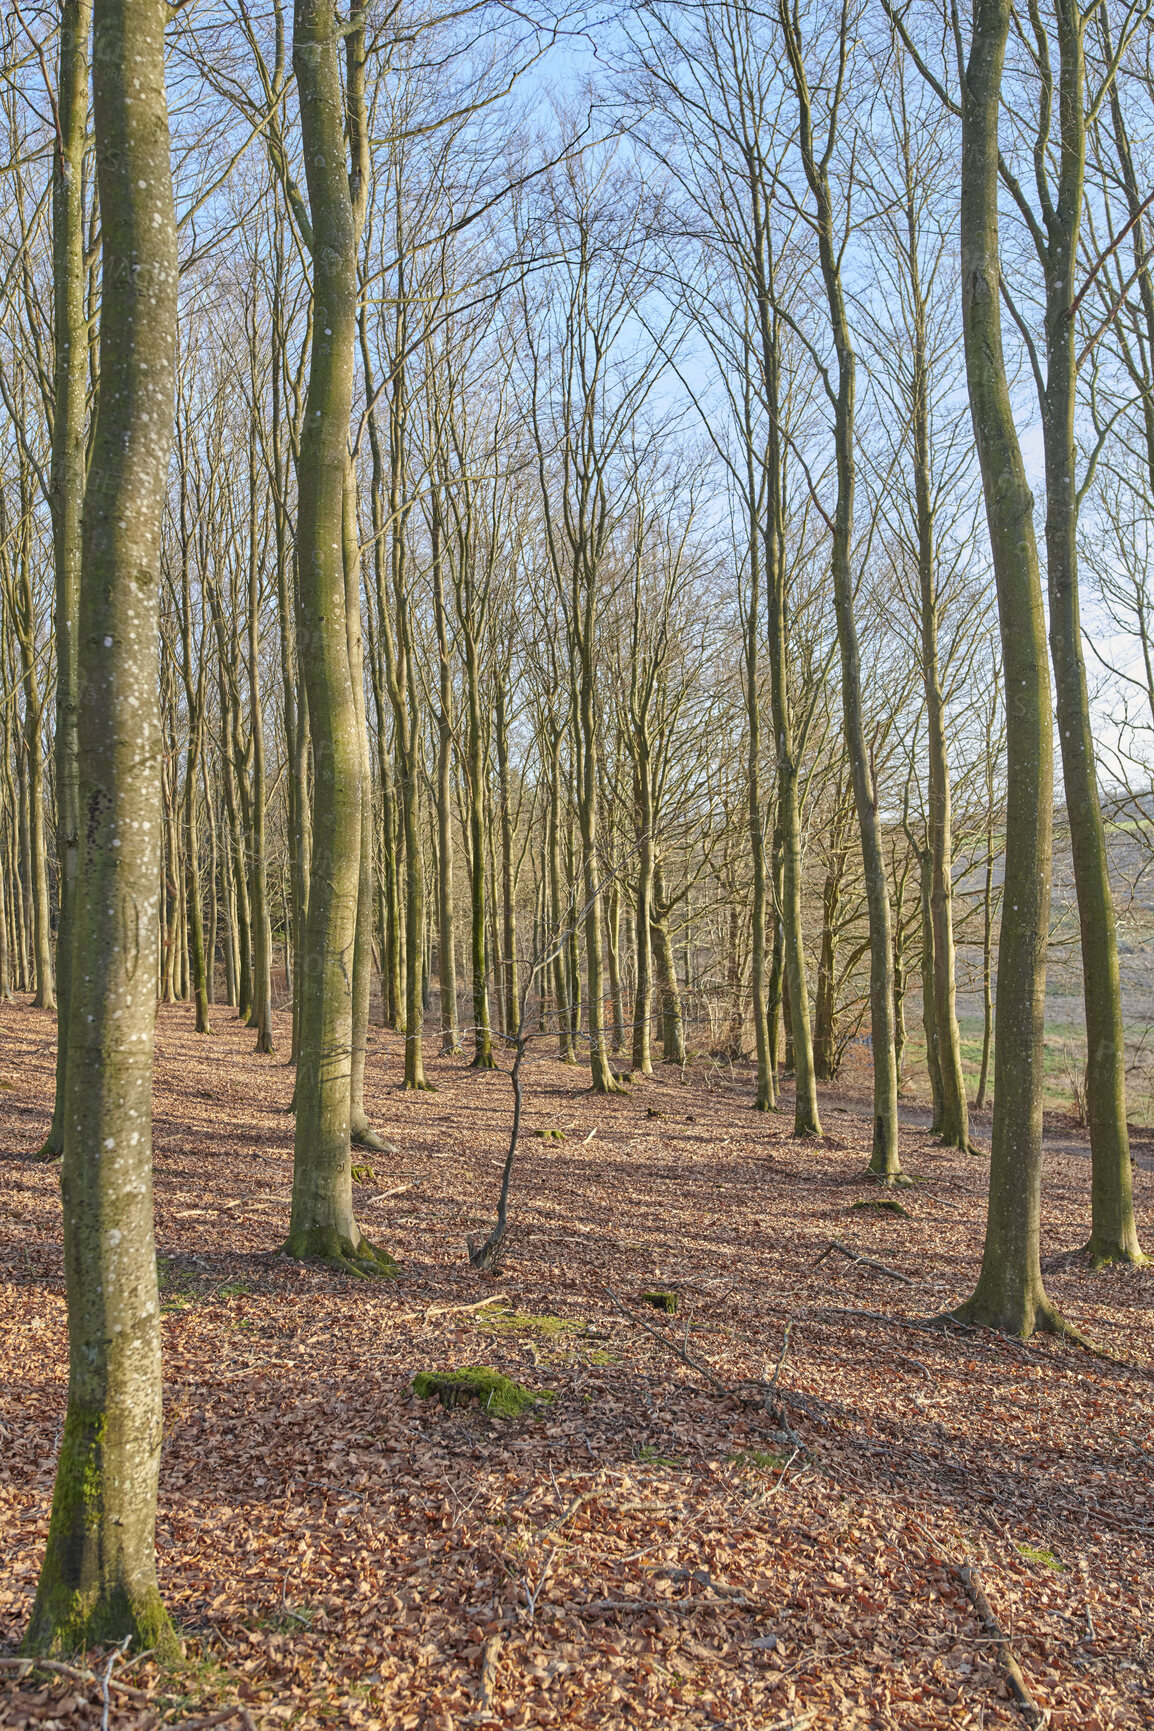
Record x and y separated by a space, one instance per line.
522 1322
889 1203
1033 1554
765 1460
498 1395
550 1135
654 1458
666 1301
363 1174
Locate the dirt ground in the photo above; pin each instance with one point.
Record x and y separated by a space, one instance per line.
645 1548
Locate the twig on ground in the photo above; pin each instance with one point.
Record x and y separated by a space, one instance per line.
724 1589
772 1383
866 1261
214 1719
968 1576
672 1346
105 1698
488 1671
452 1309
1031 1712
78 1675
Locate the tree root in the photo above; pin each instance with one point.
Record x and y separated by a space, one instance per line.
364 1136
888 1180
324 1244
1104 1252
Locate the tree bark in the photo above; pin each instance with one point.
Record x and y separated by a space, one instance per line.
69 415
884 1164
98 1582
1009 1293
322 1223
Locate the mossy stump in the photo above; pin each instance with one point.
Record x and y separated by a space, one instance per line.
666 1301
498 1395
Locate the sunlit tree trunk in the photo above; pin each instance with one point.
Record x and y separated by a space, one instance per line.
1009 1294
98 1582
70 379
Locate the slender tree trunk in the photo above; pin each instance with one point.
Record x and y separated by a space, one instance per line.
672 1026
360 1129
642 1059
1009 1294
508 873
98 1582
260 1016
766 1097
70 378
884 1164
323 1224
952 1112
1113 1230
929 1000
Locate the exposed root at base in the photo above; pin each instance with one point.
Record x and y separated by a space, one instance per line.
324 1244
366 1137
1102 1253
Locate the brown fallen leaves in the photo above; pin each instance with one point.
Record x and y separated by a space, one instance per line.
641 1551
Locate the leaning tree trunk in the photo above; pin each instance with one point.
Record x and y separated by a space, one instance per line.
70 382
323 1224
98 1582
1009 1294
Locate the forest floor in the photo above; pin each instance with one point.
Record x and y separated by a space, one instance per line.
644 1549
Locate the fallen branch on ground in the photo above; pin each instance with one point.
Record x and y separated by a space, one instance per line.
73 1672
1031 1712
453 1309
866 1261
680 1352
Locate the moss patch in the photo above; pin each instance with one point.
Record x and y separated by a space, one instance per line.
764 1460
1033 1554
363 1174
522 1322
498 1394
889 1203
666 1301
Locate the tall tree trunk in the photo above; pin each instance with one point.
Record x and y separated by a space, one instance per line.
946 1062
672 1026
766 1097
360 1129
260 1016
446 923
1113 1229
1009 1293
884 1164
508 872
322 1223
70 379
98 1582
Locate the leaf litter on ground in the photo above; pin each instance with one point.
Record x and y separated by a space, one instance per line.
639 1549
